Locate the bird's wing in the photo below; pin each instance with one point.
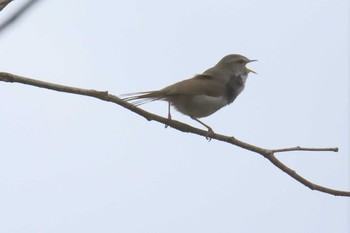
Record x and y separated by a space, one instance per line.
198 85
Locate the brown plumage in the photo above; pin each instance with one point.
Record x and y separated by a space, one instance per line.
203 94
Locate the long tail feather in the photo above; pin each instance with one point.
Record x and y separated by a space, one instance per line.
139 98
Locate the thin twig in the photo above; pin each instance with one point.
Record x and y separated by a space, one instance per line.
298 148
271 157
103 95
3 3
17 14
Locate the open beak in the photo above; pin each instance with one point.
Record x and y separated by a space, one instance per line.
249 70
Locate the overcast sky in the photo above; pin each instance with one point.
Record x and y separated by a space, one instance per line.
71 163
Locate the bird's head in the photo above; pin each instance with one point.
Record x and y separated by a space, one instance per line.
235 63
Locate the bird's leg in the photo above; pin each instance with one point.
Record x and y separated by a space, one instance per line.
210 130
169 115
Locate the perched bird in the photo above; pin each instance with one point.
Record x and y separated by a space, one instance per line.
203 94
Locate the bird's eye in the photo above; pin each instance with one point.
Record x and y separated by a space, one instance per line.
240 61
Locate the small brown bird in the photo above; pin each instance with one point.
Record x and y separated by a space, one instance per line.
203 94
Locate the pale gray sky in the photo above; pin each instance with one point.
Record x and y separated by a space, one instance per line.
75 164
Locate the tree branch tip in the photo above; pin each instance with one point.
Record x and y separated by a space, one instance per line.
299 148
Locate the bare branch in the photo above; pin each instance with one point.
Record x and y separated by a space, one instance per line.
17 14
3 3
298 148
104 95
296 176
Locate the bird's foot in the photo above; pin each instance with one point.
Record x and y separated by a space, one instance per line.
209 134
169 119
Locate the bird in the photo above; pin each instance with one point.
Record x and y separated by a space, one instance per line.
203 94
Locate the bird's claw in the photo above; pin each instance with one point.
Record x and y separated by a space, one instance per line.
209 134
169 119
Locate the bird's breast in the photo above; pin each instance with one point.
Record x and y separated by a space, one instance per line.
198 105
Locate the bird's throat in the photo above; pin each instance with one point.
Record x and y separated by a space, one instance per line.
235 86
